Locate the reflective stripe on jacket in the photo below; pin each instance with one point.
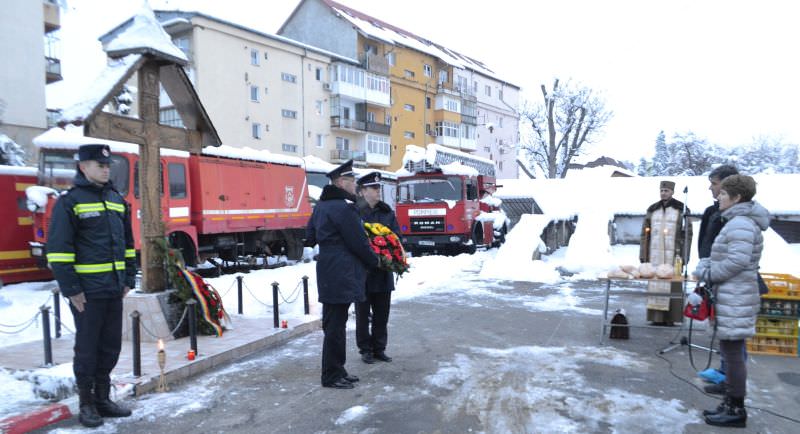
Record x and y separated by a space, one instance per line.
90 241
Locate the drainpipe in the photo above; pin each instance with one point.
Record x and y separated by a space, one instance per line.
303 100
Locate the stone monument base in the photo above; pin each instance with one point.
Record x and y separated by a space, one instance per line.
157 316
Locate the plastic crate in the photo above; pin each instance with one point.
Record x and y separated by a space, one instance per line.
787 308
772 346
782 285
774 326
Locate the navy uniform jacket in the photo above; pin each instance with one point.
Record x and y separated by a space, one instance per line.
379 280
90 241
344 252
710 226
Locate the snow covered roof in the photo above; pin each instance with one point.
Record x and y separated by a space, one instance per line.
115 74
17 170
145 35
563 198
450 160
71 137
377 29
251 154
316 164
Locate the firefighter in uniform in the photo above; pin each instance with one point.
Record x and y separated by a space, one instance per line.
344 258
91 251
380 283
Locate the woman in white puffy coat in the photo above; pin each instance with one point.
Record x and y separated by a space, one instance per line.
732 270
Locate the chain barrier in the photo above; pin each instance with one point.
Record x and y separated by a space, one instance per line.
295 293
26 325
171 333
65 326
228 290
254 296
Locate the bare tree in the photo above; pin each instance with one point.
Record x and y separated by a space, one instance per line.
569 117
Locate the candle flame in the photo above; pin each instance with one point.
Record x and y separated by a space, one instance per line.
160 345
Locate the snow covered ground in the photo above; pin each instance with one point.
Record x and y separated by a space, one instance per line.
588 256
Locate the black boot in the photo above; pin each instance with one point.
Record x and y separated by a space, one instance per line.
734 415
722 407
105 406
88 417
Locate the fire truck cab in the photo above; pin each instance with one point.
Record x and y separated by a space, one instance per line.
444 202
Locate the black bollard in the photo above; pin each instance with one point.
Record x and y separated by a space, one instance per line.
275 319
136 341
48 349
57 310
192 324
305 295
239 283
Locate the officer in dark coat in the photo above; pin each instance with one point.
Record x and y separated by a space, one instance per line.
90 249
342 265
380 283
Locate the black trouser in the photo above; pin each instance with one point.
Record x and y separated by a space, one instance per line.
334 345
373 341
98 340
736 366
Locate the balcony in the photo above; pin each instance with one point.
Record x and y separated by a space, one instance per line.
460 143
52 16
342 155
462 91
377 159
358 84
361 126
52 69
374 63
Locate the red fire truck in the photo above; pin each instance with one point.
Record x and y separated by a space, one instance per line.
226 202
16 262
444 202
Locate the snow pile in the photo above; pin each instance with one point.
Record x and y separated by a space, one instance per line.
563 301
71 137
100 88
247 153
39 195
457 168
25 388
11 154
550 393
589 247
145 32
351 414
778 256
514 259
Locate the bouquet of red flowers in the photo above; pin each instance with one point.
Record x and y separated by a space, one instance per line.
387 246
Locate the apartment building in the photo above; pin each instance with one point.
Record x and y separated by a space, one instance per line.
30 60
437 94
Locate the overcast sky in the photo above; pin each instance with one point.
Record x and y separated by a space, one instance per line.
727 70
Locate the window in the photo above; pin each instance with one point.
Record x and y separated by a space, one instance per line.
319 107
427 102
370 117
468 131
409 73
428 129
408 107
461 83
500 121
177 180
136 178
388 119
427 70
169 116
488 90
320 140
442 76
291 114
446 129
342 143
378 144
391 58
500 94
408 134
254 93
256 130
266 56
500 165
254 58
183 44
475 87
289 148
288 77
451 105
318 74
370 49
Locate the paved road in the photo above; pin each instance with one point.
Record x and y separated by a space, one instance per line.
483 357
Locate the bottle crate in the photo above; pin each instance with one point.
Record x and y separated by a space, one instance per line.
769 345
775 307
777 327
782 285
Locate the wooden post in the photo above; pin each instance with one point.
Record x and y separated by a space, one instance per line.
153 273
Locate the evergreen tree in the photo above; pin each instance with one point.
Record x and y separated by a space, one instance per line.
661 159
